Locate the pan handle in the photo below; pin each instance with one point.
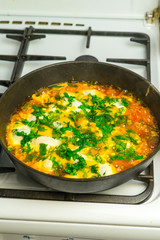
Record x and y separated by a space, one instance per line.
88 58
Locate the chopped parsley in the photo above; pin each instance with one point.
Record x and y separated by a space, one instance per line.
70 98
26 137
94 169
57 86
38 111
42 149
125 102
73 168
127 155
27 148
10 148
30 157
72 85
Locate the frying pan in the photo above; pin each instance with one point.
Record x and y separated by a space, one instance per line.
101 73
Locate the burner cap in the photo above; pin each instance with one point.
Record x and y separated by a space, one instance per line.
86 58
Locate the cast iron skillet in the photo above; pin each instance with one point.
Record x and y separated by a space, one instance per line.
101 73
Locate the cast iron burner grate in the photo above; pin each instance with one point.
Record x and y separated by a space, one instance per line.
30 34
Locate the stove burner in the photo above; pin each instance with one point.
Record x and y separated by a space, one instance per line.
29 34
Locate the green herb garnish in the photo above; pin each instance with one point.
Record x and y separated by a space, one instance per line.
42 149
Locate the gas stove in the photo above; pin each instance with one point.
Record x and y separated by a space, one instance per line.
29 42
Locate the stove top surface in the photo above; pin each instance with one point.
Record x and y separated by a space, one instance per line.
82 41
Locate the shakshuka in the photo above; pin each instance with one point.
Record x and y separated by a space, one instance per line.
81 130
